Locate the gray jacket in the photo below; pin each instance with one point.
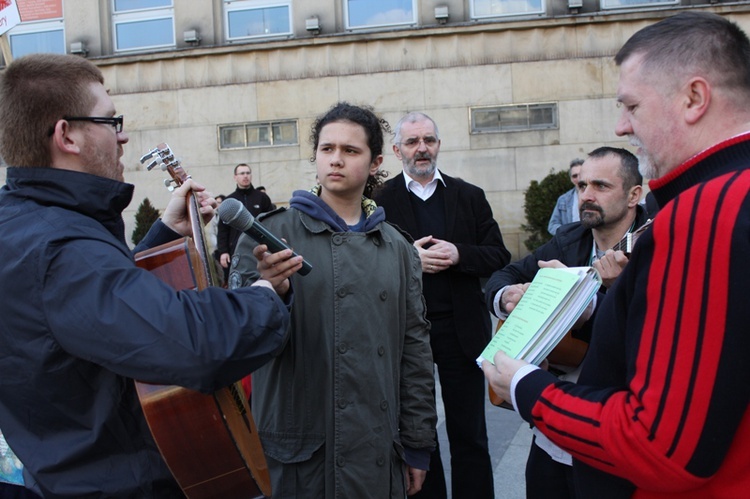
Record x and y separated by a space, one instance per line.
356 376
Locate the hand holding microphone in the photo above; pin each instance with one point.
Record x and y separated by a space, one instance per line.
234 214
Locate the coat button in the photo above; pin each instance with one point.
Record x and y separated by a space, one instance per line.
343 348
381 461
341 292
342 404
338 240
383 295
340 461
381 351
235 280
384 405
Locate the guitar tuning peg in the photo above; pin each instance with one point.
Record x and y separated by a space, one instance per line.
168 184
151 165
148 156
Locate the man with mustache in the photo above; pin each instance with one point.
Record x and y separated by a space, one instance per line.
609 188
458 242
660 408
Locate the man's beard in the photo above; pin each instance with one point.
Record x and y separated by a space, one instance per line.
591 220
101 162
415 171
645 165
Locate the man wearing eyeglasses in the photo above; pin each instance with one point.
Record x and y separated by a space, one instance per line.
458 242
78 319
255 201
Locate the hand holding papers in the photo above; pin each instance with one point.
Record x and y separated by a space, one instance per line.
555 300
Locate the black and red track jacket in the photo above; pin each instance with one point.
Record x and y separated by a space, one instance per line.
661 406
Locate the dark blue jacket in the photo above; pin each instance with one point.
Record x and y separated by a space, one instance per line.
78 319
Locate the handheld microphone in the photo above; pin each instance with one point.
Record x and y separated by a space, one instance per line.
234 214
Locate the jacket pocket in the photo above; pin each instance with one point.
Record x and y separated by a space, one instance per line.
288 448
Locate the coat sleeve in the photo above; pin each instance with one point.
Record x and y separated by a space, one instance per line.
157 234
555 220
222 237
265 203
127 320
244 270
483 251
418 417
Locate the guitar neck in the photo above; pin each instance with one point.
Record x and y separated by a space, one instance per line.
199 238
627 243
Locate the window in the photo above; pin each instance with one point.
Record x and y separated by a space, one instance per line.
257 19
497 8
259 134
31 38
519 117
622 4
143 24
369 14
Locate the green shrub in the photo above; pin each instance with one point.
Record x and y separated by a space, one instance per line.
145 217
540 199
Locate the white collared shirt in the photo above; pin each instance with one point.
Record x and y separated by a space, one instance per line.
423 193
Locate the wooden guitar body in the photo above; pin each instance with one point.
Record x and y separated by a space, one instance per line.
209 442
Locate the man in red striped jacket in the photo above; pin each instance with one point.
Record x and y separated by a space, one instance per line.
661 405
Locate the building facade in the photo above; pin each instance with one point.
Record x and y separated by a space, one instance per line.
518 87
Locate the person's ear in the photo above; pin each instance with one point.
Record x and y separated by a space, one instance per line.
397 152
634 196
697 99
65 138
375 165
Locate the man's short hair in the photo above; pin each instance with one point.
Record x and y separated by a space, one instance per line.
412 117
628 170
575 162
242 164
695 43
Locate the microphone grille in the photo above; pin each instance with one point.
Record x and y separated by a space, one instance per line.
232 213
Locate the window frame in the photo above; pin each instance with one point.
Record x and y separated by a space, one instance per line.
138 16
474 16
247 5
37 27
640 4
474 129
269 125
413 22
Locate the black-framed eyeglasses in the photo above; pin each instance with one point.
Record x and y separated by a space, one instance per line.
115 121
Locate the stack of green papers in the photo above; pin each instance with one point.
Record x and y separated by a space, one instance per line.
550 307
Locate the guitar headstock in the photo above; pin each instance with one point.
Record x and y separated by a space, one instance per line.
162 154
